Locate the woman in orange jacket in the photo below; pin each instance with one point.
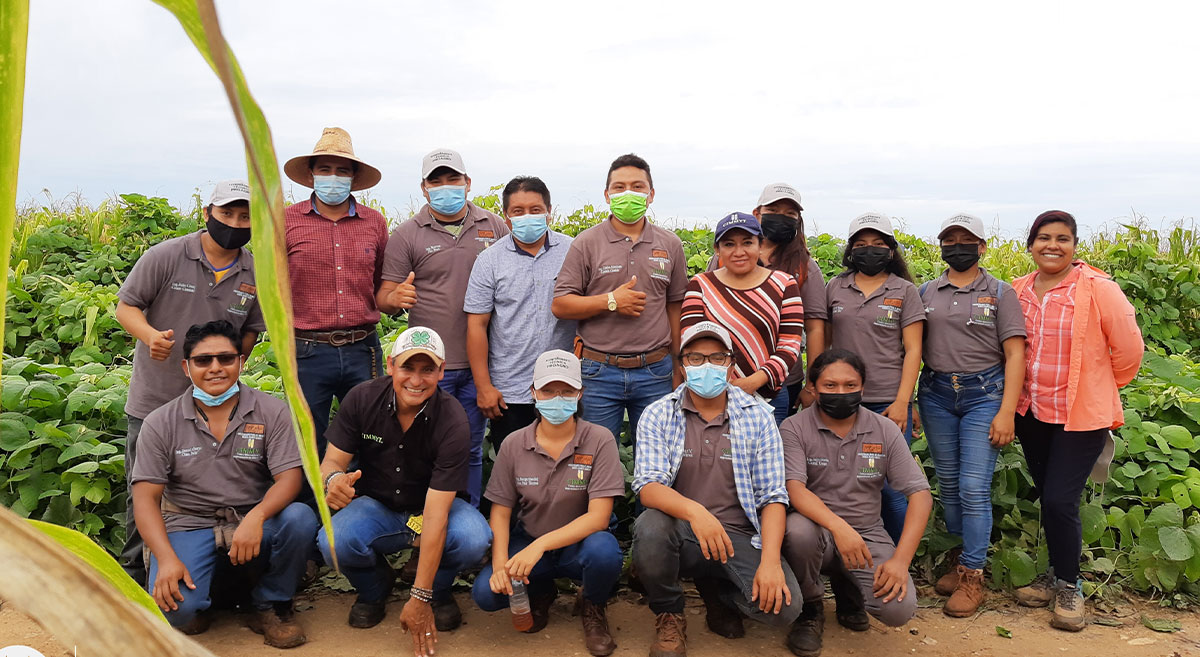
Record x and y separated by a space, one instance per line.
1082 344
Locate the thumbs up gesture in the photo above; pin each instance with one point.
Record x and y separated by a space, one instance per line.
630 302
161 344
341 489
404 295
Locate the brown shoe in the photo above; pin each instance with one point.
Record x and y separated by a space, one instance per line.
278 626
1070 610
948 582
596 636
969 594
1037 593
670 638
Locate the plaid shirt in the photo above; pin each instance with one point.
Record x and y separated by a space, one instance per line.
758 470
335 267
1048 349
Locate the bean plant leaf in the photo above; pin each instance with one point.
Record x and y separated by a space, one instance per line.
1094 522
1004 631
1021 568
1175 543
1162 624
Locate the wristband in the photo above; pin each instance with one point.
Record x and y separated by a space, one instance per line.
424 595
330 477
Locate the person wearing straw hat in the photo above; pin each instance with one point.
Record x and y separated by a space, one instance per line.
335 258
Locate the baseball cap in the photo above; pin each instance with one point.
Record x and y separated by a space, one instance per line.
557 365
228 191
778 192
873 220
706 329
442 157
738 221
969 222
419 340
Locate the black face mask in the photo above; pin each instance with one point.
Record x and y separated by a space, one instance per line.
227 237
960 257
779 228
870 260
839 405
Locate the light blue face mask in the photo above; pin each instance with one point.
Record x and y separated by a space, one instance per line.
332 190
707 380
447 199
210 400
557 410
529 228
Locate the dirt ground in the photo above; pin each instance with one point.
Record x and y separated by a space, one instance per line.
930 633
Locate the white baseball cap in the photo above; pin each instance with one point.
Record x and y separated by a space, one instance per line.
875 221
706 329
419 340
557 365
442 157
779 192
228 191
968 222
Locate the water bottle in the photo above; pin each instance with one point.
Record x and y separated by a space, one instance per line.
518 602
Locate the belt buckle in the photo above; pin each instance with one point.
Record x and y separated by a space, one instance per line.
340 338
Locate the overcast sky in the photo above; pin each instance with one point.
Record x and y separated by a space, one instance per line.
916 109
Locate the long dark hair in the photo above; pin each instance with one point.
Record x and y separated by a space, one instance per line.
831 356
896 265
793 257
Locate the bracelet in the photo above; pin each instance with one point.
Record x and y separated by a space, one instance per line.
424 595
331 475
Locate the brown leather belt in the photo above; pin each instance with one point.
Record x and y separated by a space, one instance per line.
627 361
337 337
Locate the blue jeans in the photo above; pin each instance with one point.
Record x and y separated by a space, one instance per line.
461 385
366 531
895 505
326 371
957 410
286 539
596 560
609 391
782 404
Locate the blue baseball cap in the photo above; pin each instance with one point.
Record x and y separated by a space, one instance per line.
738 221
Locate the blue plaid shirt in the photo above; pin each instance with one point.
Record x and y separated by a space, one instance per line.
758 470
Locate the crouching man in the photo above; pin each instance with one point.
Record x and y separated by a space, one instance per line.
216 475
709 470
838 456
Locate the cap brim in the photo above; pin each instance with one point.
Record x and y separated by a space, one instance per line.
717 236
947 229
768 200
403 356
235 199
574 383
425 174
296 169
706 334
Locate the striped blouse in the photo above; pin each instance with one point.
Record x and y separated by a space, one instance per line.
766 322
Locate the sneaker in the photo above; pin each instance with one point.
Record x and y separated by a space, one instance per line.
969 594
446 614
804 639
596 636
721 619
539 609
850 612
1070 610
948 582
1037 593
278 626
670 639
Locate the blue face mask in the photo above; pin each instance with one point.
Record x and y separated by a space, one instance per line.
210 400
332 190
529 228
707 380
447 199
556 410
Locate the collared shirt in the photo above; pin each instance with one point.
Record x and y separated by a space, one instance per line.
548 492
517 289
203 474
601 260
1048 324
848 473
174 286
442 262
755 448
872 327
398 466
965 327
706 469
334 266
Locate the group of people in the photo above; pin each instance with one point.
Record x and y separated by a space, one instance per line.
753 477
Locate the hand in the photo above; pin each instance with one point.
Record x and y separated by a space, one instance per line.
247 539
714 542
404 295
770 589
166 584
417 619
521 563
917 427
341 490
161 344
490 402
898 413
1002 430
891 580
500 581
852 548
805 398
746 384
630 302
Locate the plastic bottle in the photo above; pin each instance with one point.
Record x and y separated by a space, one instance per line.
518 602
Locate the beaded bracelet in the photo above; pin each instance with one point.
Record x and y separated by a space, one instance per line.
424 595
331 475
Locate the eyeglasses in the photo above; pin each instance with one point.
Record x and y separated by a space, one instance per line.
695 358
569 396
204 360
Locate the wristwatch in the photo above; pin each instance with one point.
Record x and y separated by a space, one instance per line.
612 302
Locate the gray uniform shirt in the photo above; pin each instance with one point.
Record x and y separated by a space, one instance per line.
965 327
706 469
871 326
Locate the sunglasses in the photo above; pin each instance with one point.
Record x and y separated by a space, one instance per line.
204 360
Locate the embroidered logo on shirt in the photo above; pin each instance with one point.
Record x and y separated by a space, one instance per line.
610 269
726 454
983 311
527 481
373 438
487 234
433 248
817 461
187 452
581 463
250 443
183 287
578 482
659 253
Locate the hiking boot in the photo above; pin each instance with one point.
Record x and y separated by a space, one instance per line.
948 582
596 636
446 614
849 609
1037 593
539 609
969 594
369 613
1070 611
199 624
278 626
721 619
670 639
804 639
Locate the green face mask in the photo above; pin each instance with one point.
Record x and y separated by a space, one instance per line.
628 206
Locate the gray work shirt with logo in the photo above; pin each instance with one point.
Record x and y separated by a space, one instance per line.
872 327
965 327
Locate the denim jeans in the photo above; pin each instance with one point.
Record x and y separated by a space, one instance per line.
366 531
286 540
781 404
609 391
132 559
326 371
895 505
596 560
957 411
461 385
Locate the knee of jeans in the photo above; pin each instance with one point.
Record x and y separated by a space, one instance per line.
975 494
191 605
601 550
1060 508
298 525
481 592
898 612
467 537
802 539
653 525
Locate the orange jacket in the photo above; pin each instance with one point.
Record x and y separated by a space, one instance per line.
1106 349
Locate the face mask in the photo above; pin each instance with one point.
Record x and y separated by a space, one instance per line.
210 400
628 206
707 380
839 406
556 410
529 228
226 237
779 228
447 199
960 257
870 260
332 190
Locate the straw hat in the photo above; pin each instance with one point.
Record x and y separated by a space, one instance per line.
333 141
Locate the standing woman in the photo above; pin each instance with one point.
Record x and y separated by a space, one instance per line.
1083 344
760 308
974 366
875 310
